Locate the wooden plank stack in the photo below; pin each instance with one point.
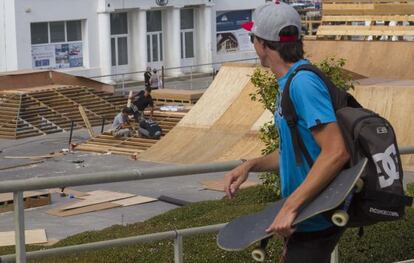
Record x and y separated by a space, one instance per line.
367 19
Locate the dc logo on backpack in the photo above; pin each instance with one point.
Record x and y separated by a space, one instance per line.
387 166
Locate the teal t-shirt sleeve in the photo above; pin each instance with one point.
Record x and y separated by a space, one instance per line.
311 99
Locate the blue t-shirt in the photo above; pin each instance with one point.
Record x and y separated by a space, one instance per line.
313 106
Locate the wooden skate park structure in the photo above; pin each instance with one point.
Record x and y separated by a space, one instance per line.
368 19
224 123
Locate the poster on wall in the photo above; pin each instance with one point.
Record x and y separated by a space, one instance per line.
43 56
230 36
57 56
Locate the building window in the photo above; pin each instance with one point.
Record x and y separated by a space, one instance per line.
57 44
119 39
187 33
154 36
40 33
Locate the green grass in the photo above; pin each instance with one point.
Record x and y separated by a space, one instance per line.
381 243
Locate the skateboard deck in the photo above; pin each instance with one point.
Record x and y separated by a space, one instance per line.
246 230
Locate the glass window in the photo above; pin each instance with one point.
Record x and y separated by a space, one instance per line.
39 33
161 53
187 18
154 21
149 48
122 51
57 32
189 44
119 23
74 30
155 47
113 52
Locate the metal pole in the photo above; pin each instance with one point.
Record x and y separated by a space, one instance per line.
19 225
71 132
162 76
103 125
335 255
178 249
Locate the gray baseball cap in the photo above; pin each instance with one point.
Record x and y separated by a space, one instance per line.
269 19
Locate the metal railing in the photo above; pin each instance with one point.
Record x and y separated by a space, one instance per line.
189 71
18 186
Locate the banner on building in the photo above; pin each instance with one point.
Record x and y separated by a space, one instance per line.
58 56
230 36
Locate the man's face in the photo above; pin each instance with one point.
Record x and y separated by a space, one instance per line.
261 50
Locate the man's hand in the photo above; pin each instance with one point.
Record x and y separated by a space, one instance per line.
235 178
282 224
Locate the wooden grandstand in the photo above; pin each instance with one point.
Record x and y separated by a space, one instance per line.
367 19
52 109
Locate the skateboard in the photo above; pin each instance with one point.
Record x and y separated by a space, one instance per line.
336 198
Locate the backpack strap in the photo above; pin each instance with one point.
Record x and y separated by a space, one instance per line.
339 99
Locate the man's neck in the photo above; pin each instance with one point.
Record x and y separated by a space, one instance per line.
280 68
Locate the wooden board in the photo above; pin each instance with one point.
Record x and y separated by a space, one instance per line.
368 9
335 30
30 199
98 197
136 200
340 18
60 211
86 120
218 185
34 236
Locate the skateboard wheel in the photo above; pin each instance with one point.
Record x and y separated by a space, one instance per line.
359 185
340 218
258 255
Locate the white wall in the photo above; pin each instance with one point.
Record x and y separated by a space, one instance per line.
29 11
8 48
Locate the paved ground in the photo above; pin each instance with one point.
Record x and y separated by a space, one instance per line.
185 187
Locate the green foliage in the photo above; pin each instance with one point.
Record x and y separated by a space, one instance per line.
410 189
381 243
266 91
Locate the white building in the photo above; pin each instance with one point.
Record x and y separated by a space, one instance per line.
102 37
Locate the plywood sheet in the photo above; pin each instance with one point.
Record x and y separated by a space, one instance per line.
218 185
5 197
97 197
381 59
60 211
136 200
222 92
35 236
394 101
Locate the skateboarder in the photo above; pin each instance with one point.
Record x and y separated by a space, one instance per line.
276 35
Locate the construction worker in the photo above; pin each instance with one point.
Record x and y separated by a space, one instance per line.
141 101
276 36
121 126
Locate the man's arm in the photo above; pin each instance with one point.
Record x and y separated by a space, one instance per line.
238 175
329 163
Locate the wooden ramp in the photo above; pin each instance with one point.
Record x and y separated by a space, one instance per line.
367 20
380 59
221 126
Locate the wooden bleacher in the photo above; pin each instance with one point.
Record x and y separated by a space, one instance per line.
367 19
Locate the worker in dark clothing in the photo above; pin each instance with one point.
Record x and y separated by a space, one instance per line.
147 77
141 101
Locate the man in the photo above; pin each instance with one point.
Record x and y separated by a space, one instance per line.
155 80
276 36
120 125
147 77
141 101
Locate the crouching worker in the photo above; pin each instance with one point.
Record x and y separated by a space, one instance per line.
141 101
121 126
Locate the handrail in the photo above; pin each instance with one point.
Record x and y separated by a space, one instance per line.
18 186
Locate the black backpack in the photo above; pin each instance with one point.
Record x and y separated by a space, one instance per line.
150 129
366 134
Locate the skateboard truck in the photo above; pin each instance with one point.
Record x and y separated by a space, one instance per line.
340 217
259 254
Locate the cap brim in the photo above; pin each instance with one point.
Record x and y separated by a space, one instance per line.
248 25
